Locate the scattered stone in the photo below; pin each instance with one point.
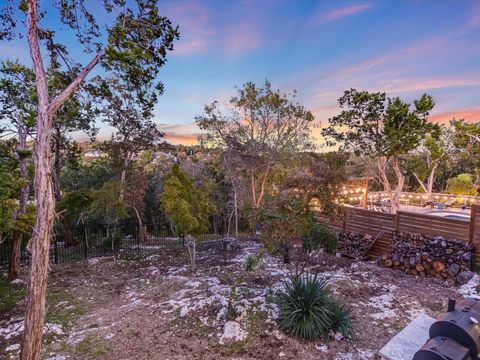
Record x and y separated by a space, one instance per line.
338 336
18 281
321 347
12 348
232 332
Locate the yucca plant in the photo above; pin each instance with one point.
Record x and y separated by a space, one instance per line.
307 310
304 307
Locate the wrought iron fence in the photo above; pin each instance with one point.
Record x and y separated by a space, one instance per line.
98 243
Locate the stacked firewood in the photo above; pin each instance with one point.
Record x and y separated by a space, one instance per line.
437 257
354 245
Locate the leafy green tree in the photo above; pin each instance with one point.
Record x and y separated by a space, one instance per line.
262 130
462 185
108 205
133 46
130 112
285 217
434 150
466 138
18 119
383 128
186 206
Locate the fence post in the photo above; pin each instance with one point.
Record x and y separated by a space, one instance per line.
397 221
471 233
55 251
471 230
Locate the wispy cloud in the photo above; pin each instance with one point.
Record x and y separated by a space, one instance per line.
201 32
471 115
180 133
423 84
338 13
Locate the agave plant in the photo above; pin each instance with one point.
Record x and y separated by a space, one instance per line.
304 307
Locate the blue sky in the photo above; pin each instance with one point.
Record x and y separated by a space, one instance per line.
319 48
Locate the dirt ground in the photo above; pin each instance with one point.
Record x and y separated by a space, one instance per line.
151 306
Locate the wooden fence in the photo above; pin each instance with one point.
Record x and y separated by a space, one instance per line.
362 221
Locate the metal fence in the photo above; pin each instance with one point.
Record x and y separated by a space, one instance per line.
100 245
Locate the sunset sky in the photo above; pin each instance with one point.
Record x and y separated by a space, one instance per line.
319 48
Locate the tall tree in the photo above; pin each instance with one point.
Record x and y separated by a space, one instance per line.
130 113
134 46
17 116
260 130
434 150
187 207
383 128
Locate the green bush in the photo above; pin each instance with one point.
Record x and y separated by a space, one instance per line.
320 235
253 261
342 318
307 310
462 185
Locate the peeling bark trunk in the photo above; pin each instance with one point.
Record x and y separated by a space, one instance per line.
236 212
17 238
40 243
428 188
123 176
254 194
141 230
399 187
45 203
382 163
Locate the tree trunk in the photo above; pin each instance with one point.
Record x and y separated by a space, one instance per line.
141 231
253 190
39 244
236 212
382 163
17 238
45 204
430 181
399 187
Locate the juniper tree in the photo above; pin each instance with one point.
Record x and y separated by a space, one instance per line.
261 130
18 119
133 47
373 125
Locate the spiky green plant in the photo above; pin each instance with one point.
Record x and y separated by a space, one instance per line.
303 305
342 318
308 311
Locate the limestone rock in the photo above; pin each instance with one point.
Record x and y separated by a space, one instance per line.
232 332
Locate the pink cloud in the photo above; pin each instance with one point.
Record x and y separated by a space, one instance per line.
199 33
411 85
323 18
241 38
470 115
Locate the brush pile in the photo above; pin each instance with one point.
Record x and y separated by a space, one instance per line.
422 255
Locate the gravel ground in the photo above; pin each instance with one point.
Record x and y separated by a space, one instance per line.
153 307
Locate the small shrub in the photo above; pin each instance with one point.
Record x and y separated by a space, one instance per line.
253 261
342 319
231 313
320 235
308 311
